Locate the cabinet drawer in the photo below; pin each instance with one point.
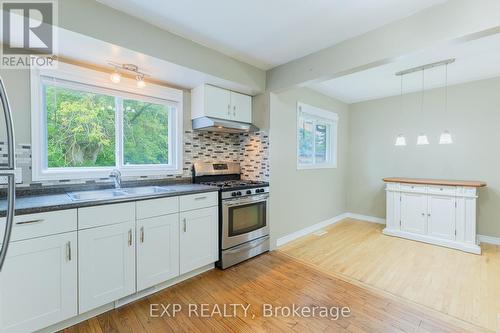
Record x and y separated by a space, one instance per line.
41 224
444 190
157 207
197 201
97 216
413 188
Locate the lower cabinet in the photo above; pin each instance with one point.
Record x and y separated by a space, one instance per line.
106 265
38 284
198 238
157 250
441 212
442 215
413 213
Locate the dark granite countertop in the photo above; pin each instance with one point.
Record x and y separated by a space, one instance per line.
50 202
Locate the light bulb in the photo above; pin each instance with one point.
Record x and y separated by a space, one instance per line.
422 140
140 82
400 140
115 77
445 138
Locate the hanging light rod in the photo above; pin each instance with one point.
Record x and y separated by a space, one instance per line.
425 67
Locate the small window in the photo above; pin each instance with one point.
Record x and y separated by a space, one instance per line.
83 126
316 137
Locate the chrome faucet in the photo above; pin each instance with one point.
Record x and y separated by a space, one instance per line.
117 177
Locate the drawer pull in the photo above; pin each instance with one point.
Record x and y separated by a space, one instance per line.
185 224
30 222
142 234
130 237
68 251
200 198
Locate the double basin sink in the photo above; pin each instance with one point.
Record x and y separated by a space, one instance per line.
118 193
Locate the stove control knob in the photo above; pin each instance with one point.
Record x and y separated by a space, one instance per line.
238 193
249 192
233 194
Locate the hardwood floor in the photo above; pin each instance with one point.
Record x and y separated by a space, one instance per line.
460 284
276 279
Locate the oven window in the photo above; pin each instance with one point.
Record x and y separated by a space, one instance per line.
247 218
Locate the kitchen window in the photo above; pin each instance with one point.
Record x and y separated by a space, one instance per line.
316 137
83 126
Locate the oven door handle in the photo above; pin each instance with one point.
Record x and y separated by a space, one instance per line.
239 202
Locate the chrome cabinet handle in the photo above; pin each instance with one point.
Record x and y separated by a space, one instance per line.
68 251
429 215
229 109
30 222
185 224
200 198
423 214
130 237
142 234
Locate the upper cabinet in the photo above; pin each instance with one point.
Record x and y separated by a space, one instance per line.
210 101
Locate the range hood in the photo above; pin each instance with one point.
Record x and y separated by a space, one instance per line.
221 125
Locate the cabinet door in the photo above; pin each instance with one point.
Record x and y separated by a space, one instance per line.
198 238
414 213
217 102
38 284
157 250
241 107
106 264
441 216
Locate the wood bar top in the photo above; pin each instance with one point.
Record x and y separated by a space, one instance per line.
444 182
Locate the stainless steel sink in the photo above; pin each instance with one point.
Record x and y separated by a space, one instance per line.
117 193
146 190
96 195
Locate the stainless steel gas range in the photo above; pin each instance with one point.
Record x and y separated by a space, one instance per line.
243 211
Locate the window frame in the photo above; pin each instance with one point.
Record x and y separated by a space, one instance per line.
80 78
326 117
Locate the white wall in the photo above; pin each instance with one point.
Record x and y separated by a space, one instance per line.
300 198
474 121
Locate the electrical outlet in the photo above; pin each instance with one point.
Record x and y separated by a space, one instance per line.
19 177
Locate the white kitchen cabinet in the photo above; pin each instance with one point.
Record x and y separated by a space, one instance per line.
106 265
242 107
210 101
441 215
198 238
414 213
38 284
157 250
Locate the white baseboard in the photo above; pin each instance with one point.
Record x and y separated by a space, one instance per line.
366 218
488 239
308 230
315 227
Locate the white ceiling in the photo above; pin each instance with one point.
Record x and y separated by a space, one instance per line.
81 48
267 33
475 60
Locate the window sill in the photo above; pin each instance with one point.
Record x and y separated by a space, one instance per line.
316 167
98 173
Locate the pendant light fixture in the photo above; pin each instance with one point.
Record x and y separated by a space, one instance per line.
445 138
400 139
422 137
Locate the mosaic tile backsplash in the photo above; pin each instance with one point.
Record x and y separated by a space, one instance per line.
250 149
